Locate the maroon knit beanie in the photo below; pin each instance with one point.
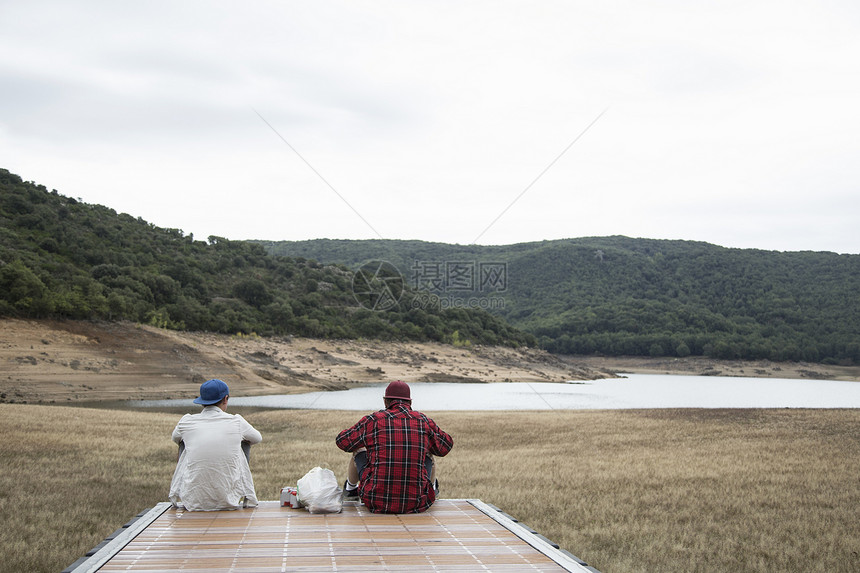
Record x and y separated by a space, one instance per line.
398 390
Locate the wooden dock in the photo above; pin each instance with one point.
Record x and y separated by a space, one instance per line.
453 535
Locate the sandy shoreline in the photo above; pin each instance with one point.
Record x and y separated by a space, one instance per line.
703 366
81 361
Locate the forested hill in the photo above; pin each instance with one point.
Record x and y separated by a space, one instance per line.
623 296
60 257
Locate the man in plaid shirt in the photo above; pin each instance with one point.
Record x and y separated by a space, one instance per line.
392 468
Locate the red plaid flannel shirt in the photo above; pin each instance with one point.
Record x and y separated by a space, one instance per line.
398 439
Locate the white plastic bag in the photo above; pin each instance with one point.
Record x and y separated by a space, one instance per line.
319 492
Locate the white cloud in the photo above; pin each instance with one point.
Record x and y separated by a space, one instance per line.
732 123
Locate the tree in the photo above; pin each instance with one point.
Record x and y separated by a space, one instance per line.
253 292
22 288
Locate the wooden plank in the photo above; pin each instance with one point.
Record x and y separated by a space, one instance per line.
453 535
109 549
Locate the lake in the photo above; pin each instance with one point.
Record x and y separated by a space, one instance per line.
633 391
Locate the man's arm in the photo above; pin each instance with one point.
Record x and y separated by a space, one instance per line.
440 442
249 433
352 438
177 432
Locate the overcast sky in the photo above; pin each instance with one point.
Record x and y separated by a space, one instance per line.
735 123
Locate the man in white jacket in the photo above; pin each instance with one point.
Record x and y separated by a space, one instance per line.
213 472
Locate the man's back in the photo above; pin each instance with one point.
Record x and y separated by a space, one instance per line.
398 441
212 472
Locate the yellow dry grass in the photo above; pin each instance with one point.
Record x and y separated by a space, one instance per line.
628 491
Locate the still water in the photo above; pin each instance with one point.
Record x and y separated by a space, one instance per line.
633 391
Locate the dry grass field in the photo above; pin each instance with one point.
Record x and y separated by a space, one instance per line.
628 491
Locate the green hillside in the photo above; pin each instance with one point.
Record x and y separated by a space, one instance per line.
623 296
60 257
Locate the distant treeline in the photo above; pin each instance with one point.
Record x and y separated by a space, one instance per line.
622 296
60 257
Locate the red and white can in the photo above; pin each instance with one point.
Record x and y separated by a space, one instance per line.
289 497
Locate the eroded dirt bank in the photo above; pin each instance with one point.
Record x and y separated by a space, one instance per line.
78 361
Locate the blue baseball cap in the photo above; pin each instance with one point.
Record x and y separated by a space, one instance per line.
212 392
